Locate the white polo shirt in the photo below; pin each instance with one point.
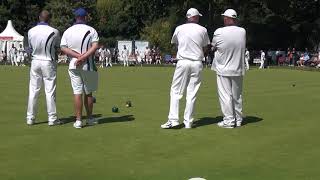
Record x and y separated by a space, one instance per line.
43 40
103 53
13 51
79 38
191 38
125 53
263 56
230 44
247 55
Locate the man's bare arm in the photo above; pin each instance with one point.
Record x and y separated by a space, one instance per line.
87 54
70 52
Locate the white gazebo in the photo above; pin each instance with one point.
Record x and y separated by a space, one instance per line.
8 37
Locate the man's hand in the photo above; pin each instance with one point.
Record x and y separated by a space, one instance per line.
70 52
79 61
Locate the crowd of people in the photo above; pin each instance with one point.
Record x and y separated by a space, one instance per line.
16 56
108 56
290 57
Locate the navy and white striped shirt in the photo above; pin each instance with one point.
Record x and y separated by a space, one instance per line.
79 38
43 40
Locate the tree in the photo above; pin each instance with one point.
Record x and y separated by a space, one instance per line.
62 12
159 34
24 14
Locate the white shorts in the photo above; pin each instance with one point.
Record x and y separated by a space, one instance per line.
83 81
20 59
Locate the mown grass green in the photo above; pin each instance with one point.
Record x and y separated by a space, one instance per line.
279 141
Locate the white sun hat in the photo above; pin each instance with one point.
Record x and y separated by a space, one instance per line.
193 12
230 13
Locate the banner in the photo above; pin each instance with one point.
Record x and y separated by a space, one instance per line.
141 46
121 45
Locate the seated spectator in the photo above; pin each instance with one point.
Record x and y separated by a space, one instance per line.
289 59
294 56
2 54
301 59
281 60
314 61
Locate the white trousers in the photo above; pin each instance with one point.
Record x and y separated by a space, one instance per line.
247 63
102 60
261 64
14 61
125 61
108 62
42 71
186 76
230 97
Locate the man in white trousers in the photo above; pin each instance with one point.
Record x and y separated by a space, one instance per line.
13 55
125 56
43 40
20 55
108 58
147 55
247 58
192 40
262 59
102 56
80 43
229 43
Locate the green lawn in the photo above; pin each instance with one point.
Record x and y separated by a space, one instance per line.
280 140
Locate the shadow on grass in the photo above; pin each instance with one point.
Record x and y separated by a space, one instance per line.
206 121
214 120
67 120
125 118
72 119
38 123
99 118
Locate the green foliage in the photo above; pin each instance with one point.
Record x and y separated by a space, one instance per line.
269 23
62 12
159 34
278 141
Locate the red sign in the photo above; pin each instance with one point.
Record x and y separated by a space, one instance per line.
6 38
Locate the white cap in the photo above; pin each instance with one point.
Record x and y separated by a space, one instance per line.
230 13
193 12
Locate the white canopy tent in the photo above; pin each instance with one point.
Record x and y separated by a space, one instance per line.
8 37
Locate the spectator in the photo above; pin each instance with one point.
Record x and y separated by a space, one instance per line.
62 58
318 66
20 55
294 56
147 55
314 61
108 58
153 54
210 56
262 59
102 56
247 58
277 56
158 56
13 55
115 55
125 56
289 57
2 54
306 56
140 56
301 60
